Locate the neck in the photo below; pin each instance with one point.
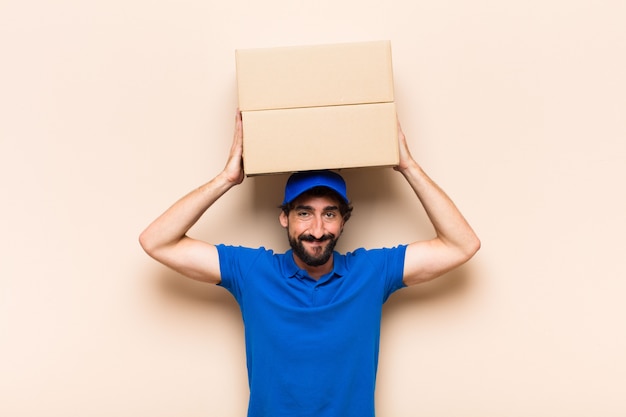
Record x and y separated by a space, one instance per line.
315 272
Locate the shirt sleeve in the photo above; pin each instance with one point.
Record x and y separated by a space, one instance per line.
235 262
395 269
227 268
385 266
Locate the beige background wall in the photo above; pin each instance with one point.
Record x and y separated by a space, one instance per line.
111 110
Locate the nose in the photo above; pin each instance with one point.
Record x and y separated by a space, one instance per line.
317 228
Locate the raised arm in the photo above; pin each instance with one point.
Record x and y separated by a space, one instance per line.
455 241
165 239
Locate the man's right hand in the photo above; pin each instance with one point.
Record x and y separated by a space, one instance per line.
234 166
165 238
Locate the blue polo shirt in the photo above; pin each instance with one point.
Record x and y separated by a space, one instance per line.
311 346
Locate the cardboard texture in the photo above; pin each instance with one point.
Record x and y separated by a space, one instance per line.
336 137
308 76
317 107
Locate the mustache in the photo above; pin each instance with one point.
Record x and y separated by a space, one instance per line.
311 238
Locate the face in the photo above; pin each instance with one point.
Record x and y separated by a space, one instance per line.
313 228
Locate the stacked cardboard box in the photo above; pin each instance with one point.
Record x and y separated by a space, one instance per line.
317 107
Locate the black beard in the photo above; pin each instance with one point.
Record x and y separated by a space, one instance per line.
312 260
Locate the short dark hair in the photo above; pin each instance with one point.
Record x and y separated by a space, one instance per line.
345 209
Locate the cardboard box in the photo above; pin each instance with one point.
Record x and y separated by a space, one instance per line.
359 135
309 76
317 107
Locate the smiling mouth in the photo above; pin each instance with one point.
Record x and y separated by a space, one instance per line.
311 239
316 251
316 246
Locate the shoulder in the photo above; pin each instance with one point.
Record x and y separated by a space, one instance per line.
247 255
390 259
239 264
227 249
382 265
376 253
243 254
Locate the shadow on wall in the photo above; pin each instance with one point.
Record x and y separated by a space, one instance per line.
385 214
268 191
177 288
364 185
453 285
373 185
386 211
449 287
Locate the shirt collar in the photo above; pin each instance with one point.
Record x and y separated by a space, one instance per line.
290 269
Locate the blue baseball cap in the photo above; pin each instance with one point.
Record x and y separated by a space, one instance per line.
304 181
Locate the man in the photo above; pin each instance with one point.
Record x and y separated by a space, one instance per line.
312 315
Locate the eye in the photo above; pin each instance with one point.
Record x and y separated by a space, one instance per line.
330 214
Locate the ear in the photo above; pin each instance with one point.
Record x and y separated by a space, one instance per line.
284 219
